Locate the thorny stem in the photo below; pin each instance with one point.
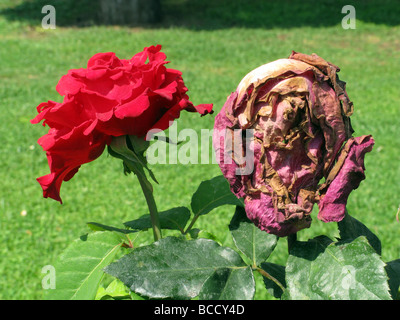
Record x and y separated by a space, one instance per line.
155 221
130 244
191 223
121 148
268 276
130 241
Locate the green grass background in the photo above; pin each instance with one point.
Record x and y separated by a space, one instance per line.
214 44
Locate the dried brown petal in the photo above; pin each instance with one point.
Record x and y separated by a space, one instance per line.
299 112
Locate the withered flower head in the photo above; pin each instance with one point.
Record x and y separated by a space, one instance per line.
299 112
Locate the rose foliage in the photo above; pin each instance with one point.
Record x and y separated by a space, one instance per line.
303 152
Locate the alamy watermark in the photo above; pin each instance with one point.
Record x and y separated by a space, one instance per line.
49 279
189 147
49 20
349 20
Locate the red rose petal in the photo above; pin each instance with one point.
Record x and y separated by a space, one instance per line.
109 98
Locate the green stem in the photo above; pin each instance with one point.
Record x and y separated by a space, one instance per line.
191 223
291 239
148 194
268 276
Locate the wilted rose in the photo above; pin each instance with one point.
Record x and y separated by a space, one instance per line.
300 113
111 97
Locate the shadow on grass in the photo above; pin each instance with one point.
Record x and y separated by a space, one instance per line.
218 14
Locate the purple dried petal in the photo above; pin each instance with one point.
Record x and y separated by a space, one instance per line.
260 209
332 205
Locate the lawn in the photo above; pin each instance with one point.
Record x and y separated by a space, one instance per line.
214 44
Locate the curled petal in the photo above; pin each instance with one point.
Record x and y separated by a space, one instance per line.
347 175
104 60
260 209
66 153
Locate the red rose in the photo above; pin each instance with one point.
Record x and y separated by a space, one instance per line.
111 97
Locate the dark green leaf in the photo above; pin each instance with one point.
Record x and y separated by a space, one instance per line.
79 267
174 219
197 233
229 284
212 194
322 269
167 140
278 273
350 228
393 272
255 244
173 267
102 227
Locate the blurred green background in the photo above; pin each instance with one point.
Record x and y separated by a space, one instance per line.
214 44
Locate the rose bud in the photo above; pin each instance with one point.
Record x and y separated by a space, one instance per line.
299 114
112 97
